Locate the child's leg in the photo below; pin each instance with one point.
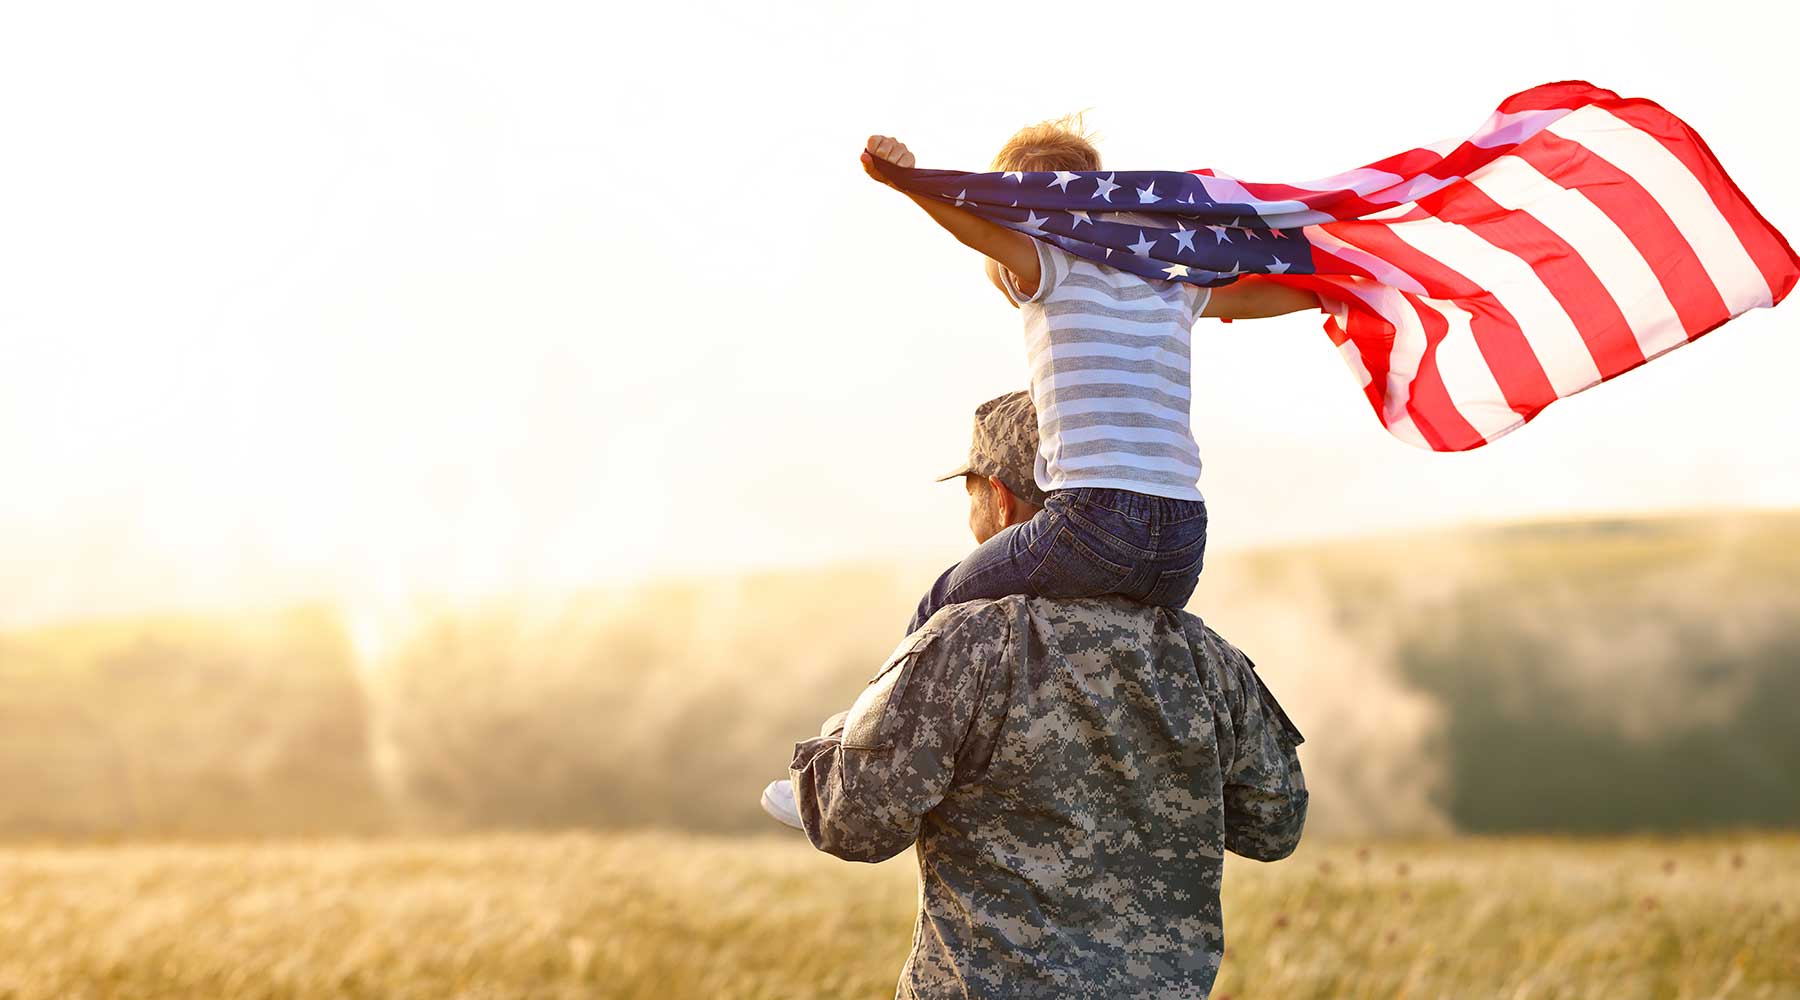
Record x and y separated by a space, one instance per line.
1147 548
1003 562
1181 555
1044 557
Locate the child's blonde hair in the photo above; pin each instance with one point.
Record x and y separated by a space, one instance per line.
1059 144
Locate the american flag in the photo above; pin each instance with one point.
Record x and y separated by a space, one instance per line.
1469 283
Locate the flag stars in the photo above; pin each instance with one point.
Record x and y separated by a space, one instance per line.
1033 224
1278 234
1176 271
1015 175
1104 187
1077 218
1184 237
1143 246
1148 195
1061 182
962 197
1279 267
1252 234
1220 235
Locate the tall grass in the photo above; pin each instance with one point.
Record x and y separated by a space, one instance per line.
642 916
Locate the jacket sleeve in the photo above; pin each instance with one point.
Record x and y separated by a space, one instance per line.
862 792
1265 793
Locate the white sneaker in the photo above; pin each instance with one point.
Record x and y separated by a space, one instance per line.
778 801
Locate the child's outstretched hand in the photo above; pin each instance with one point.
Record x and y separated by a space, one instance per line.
887 148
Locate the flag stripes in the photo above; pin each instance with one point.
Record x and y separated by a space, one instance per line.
1468 284
1597 238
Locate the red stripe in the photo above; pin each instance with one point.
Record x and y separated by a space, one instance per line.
1558 265
1373 337
1641 218
1765 244
1509 356
1566 94
1371 389
1434 413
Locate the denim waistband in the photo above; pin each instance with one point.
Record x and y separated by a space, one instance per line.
1131 504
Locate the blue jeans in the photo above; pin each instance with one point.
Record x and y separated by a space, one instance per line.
1085 543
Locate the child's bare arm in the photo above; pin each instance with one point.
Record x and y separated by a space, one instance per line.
1249 298
1011 250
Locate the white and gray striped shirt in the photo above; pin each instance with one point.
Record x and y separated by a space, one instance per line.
1110 376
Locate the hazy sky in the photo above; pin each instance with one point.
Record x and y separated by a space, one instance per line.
381 299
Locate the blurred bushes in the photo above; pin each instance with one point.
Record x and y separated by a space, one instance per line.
670 705
182 727
1601 676
1621 676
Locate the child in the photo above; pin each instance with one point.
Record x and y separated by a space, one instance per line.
1108 353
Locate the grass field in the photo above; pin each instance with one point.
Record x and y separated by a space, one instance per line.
647 915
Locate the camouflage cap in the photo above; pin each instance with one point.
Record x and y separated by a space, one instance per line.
1005 446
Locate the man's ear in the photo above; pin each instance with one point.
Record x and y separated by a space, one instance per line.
1004 502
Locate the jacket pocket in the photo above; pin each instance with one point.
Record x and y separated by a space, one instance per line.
866 725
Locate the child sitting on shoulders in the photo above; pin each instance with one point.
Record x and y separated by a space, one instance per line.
1108 352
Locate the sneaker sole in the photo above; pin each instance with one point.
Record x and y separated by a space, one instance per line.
780 815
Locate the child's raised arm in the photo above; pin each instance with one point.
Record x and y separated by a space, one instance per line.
1249 298
1011 250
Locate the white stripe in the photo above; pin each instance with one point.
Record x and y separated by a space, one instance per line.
1151 463
1130 380
1681 196
1468 380
1222 188
1516 184
1361 180
1541 320
1147 332
1407 431
1389 214
1135 435
1285 214
1109 298
1411 191
1443 147
1148 489
1082 407
1098 349
1353 358
1513 128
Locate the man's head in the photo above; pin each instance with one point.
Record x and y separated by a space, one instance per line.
993 507
1000 475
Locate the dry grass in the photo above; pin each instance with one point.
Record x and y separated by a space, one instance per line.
666 915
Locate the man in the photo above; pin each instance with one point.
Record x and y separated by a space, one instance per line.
1071 772
1001 480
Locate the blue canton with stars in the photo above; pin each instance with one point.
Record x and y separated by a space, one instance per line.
1156 224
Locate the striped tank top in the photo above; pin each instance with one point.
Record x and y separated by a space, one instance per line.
1110 376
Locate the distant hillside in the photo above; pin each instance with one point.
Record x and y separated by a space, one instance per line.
1602 675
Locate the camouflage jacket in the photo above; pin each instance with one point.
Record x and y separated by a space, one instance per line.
1072 772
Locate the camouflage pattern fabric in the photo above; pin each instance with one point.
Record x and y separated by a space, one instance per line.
1072 772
